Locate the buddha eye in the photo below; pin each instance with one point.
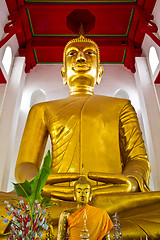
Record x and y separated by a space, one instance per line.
90 53
71 53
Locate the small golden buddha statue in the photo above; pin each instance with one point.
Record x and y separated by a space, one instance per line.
98 221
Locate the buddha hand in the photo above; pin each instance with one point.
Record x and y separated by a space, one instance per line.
114 183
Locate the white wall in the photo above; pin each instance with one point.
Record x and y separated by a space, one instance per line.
150 116
2 90
9 119
149 95
12 43
147 44
48 78
157 15
3 17
8 108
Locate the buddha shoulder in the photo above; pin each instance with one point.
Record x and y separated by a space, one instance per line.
50 106
110 102
111 99
51 109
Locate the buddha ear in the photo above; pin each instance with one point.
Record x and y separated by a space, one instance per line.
63 74
74 196
90 198
100 73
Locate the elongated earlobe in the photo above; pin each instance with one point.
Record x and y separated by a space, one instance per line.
100 73
90 198
63 74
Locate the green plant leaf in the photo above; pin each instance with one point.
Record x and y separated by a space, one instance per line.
40 180
15 200
23 189
45 200
50 205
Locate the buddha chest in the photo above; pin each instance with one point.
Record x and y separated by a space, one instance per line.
85 129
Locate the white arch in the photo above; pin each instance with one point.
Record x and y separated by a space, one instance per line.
7 59
153 59
37 96
121 93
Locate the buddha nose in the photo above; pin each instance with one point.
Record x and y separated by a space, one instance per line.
81 57
83 194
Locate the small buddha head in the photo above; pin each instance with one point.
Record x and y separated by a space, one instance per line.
82 191
81 61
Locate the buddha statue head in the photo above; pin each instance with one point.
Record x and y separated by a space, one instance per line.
81 70
82 191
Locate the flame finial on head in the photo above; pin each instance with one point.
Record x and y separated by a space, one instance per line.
81 30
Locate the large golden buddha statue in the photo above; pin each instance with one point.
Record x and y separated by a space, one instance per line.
102 133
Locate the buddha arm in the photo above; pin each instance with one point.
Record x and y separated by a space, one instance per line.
32 149
32 145
62 225
135 160
136 167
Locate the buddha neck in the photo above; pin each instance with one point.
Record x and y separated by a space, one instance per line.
81 90
81 205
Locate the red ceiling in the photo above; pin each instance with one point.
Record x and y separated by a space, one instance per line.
42 31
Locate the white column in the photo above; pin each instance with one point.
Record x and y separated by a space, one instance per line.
9 119
150 116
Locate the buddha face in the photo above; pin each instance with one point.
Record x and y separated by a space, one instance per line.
83 193
81 65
